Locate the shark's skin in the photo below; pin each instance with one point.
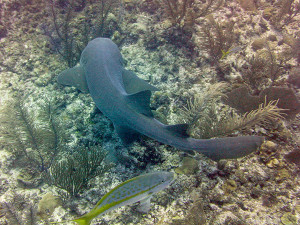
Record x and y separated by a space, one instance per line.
124 99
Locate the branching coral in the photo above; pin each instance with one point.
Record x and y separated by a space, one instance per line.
216 38
183 13
284 13
263 66
71 36
181 18
73 173
37 139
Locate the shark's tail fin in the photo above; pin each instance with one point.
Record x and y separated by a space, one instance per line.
227 148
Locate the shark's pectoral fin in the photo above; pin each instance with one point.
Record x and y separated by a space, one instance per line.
179 129
140 102
74 77
134 84
126 134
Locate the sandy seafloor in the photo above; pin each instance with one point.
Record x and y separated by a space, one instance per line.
260 188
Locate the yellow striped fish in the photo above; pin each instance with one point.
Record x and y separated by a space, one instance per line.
138 189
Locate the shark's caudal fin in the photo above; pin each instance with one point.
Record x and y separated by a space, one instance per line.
74 77
226 148
133 84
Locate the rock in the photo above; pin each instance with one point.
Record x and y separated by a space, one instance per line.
294 77
288 219
293 157
189 166
47 205
289 40
282 175
258 44
273 163
272 37
3 31
229 186
268 12
268 146
34 183
248 5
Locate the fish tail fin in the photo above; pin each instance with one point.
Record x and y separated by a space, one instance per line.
224 54
64 221
83 221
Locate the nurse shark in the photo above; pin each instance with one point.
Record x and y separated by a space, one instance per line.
125 99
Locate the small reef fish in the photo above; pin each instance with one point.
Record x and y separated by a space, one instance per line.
138 189
125 99
231 51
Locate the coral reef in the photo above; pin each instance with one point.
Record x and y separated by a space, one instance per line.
173 53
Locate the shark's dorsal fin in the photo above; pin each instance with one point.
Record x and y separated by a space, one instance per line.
126 134
179 129
74 77
141 102
134 84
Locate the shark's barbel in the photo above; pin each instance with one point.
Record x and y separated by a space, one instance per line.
125 100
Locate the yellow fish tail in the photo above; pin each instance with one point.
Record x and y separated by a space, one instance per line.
83 221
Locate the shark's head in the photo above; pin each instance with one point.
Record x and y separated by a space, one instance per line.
103 47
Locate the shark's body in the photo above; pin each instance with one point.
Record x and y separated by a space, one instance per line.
124 99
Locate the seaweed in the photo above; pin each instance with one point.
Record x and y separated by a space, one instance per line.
73 173
35 139
69 34
216 38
